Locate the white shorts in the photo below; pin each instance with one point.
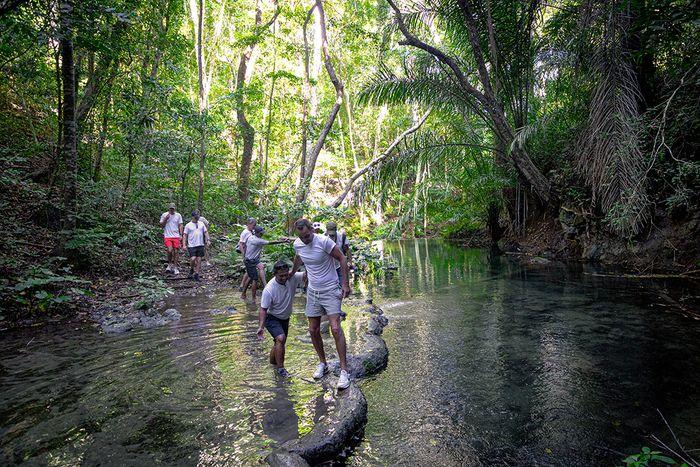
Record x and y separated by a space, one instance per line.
323 303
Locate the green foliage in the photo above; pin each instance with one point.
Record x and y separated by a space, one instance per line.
648 457
42 290
150 290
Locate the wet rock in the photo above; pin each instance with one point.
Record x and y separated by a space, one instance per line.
329 436
371 354
376 324
282 458
372 357
116 327
151 321
171 314
593 252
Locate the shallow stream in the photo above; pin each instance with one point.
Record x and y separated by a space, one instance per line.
490 363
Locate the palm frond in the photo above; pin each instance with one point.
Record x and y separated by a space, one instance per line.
611 158
426 85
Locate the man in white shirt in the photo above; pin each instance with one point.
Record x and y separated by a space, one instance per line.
318 253
275 310
195 238
171 221
240 248
253 249
206 248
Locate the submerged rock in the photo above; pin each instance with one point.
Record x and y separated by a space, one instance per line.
328 438
229 310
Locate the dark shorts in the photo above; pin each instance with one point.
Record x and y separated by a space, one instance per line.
251 267
276 326
196 251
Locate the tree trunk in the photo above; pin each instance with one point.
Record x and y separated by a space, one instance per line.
69 147
103 136
202 102
306 92
338 85
245 70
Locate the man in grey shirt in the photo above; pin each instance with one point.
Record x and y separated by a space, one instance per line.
275 310
253 249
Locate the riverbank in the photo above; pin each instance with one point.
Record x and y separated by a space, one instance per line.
667 249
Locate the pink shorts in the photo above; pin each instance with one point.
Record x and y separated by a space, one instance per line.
173 242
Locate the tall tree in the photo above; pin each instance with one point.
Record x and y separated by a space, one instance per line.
484 101
69 147
305 183
244 73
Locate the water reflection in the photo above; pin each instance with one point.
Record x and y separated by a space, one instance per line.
523 366
490 363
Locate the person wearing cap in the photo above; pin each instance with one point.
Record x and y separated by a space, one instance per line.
195 238
240 248
171 221
253 249
325 293
275 310
341 240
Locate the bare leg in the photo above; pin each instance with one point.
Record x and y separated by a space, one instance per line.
273 359
197 264
170 256
255 290
339 336
261 275
316 339
279 350
176 256
244 282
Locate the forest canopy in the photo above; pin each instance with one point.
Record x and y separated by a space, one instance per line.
399 118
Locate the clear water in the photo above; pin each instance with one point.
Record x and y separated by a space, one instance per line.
493 364
490 363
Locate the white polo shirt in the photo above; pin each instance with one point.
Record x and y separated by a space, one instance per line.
172 227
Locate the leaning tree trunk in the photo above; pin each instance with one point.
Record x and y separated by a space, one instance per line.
338 85
246 129
377 160
69 148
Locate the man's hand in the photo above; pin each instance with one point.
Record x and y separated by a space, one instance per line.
260 334
208 243
346 291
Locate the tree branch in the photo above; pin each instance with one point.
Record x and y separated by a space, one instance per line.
439 54
378 160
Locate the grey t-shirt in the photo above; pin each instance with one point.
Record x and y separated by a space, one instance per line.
320 265
277 298
254 246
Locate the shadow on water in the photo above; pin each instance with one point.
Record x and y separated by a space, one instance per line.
490 363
